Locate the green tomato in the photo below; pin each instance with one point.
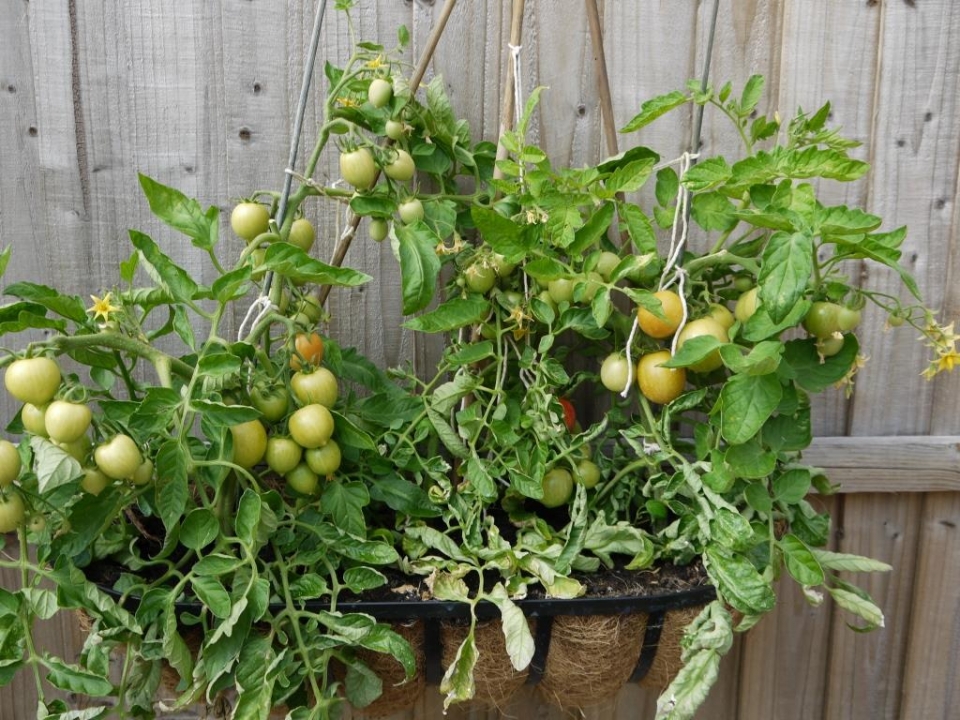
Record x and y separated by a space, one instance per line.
561 290
848 318
283 454
302 234
379 229
822 319
379 92
557 487
9 463
303 480
144 473
722 314
698 328
588 286
119 457
249 443
12 512
614 372
606 264
830 345
33 380
33 418
411 211
394 129
94 481
587 473
311 426
480 277
358 168
67 421
249 220
746 305
78 449
324 461
401 166
272 401
319 386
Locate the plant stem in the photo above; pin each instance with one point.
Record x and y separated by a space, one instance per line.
122 343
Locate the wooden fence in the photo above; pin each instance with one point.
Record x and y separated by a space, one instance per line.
200 94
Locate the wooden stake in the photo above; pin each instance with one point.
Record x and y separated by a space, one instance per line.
600 67
507 109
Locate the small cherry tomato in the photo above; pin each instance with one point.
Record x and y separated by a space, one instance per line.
822 319
325 460
311 426
561 290
411 211
272 401
587 473
394 129
94 481
12 511
9 463
302 234
379 92
722 314
697 328
319 386
659 384
379 229
119 457
283 454
672 309
401 166
308 350
358 168
614 372
144 473
33 380
249 220
303 480
33 418
67 421
480 277
746 305
557 487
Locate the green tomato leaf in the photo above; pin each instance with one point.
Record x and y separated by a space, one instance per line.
629 178
232 285
68 306
707 175
654 108
457 684
75 679
53 466
841 220
738 581
859 606
297 266
361 579
761 326
793 486
516 630
211 593
249 513
455 313
344 502
762 359
845 562
785 273
750 460
545 269
801 563
752 92
448 436
373 205
361 684
805 367
199 529
349 435
745 404
169 276
222 414
502 234
182 213
693 351
713 211
419 265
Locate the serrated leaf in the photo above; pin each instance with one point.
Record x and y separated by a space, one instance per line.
200 528
172 486
348 434
762 359
814 374
53 466
752 92
68 306
299 267
785 273
167 274
75 679
455 313
841 220
594 228
213 595
713 211
182 213
344 503
745 403
654 108
419 266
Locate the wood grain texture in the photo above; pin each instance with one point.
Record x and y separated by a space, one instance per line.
203 99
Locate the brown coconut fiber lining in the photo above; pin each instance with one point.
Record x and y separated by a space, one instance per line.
494 676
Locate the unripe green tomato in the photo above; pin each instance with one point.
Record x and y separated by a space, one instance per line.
411 211
249 219
742 283
394 129
324 461
561 290
746 305
614 372
249 443
358 168
379 229
33 418
401 166
119 457
144 473
503 268
33 380
379 92
311 426
67 421
480 277
94 481
319 386
12 512
9 463
722 314
302 234
303 480
830 345
822 319
848 319
557 487
607 263
591 285
283 454
587 473
78 449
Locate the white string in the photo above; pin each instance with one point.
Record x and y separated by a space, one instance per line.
633 334
264 305
517 82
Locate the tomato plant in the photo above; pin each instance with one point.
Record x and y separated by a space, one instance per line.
324 460
400 165
272 401
411 211
283 454
379 92
249 443
615 372
303 480
302 234
557 487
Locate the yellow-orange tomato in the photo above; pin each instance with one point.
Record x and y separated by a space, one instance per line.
308 350
659 384
664 327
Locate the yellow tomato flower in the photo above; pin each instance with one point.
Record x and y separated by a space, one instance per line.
102 307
